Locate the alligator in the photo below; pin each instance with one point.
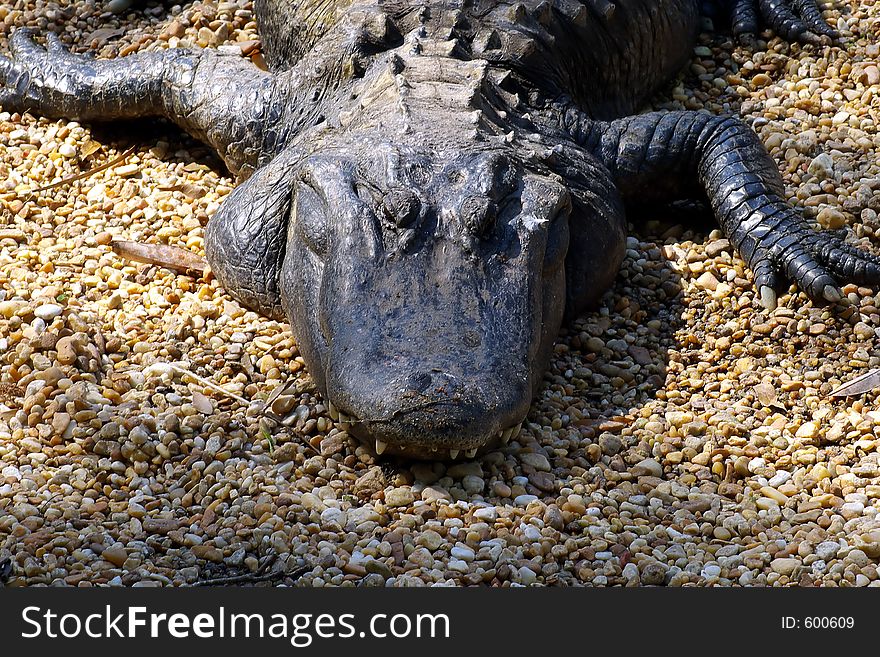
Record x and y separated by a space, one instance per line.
428 189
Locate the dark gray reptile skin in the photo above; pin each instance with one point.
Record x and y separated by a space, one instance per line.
428 188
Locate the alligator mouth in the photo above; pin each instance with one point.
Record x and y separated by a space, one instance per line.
418 449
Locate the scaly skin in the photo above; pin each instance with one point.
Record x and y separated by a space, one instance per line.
430 187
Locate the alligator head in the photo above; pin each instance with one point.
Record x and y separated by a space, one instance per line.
424 272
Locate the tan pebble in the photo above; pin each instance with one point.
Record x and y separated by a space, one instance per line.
67 352
717 247
808 431
60 422
501 489
371 481
51 376
722 533
648 467
707 281
174 29
765 393
761 80
402 496
435 493
863 331
208 553
765 503
12 307
115 555
537 461
820 472
831 218
286 452
784 566
774 494
206 36
12 234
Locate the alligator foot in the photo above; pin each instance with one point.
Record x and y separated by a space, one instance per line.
667 155
794 20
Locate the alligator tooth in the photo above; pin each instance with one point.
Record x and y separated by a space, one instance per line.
331 410
471 453
453 454
516 431
381 447
506 434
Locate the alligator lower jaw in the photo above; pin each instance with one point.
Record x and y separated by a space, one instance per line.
418 450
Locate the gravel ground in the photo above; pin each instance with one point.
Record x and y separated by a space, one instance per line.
684 436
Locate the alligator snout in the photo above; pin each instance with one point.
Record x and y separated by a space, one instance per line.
432 359
430 414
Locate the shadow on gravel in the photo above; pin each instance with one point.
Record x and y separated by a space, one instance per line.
164 140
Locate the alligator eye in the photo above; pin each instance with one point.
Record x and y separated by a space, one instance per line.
478 214
402 206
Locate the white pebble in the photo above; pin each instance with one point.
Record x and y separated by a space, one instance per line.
532 533
711 570
48 311
779 478
827 550
462 552
527 576
486 514
457 565
756 463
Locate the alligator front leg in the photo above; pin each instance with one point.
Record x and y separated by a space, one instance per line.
672 155
222 100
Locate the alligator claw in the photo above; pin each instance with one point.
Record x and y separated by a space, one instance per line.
831 294
812 260
794 20
768 297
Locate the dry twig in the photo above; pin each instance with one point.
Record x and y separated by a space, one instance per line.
170 257
85 174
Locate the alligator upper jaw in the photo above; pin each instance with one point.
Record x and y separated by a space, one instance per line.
416 448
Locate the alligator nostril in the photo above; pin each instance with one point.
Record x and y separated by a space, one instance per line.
478 214
402 206
418 382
